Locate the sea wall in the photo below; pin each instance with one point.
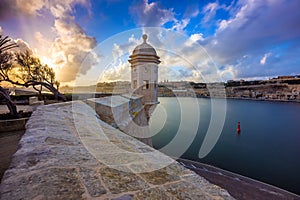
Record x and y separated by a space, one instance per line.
67 152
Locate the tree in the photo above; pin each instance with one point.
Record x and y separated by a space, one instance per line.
24 69
5 65
30 72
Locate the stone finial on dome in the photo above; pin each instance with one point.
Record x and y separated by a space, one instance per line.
145 38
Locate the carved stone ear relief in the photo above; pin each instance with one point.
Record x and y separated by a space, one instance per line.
145 69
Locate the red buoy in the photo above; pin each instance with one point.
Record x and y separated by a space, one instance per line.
238 130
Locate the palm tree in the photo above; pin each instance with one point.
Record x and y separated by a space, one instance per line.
6 44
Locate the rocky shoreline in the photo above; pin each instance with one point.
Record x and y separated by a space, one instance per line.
268 100
241 98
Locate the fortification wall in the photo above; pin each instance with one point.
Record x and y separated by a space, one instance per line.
67 152
125 112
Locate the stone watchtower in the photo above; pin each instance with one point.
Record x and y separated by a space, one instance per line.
144 73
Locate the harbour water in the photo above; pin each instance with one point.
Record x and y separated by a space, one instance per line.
267 149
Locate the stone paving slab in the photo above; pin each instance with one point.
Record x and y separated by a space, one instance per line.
67 152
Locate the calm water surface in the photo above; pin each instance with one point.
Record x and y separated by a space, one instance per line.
267 149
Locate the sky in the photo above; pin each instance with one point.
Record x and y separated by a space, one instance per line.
87 41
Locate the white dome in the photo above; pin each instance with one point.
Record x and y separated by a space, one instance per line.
144 53
144 48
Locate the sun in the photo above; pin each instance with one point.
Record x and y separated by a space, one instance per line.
49 62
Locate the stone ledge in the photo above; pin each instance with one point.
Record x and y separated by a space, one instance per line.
12 124
67 152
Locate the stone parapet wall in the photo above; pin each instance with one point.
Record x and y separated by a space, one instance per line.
67 152
117 110
12 124
125 112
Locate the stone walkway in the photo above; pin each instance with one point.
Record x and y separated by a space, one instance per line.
68 153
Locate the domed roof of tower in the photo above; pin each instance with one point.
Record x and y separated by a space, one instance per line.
144 48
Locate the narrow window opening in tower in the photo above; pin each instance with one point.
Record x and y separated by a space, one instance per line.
135 84
146 85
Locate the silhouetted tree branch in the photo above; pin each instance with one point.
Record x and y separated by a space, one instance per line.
30 72
5 64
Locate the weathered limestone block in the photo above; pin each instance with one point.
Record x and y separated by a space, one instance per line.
92 182
50 183
183 190
159 177
152 194
119 181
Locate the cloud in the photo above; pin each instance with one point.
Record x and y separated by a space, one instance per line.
256 25
154 15
182 58
151 14
177 50
114 65
22 46
180 25
68 56
264 58
253 28
197 37
209 11
191 11
72 46
228 73
120 73
66 45
11 8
